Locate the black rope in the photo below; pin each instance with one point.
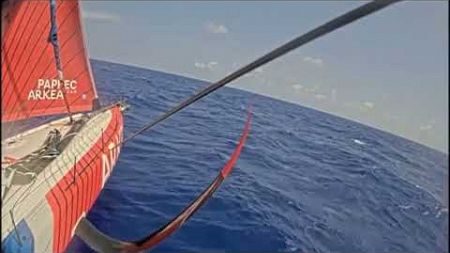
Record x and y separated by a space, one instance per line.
291 45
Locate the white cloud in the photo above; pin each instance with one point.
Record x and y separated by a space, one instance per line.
98 16
320 96
426 127
212 63
369 105
315 61
200 65
216 28
297 87
313 89
208 65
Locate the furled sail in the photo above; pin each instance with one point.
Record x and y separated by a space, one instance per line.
45 66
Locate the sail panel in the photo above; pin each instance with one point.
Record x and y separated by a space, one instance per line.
30 82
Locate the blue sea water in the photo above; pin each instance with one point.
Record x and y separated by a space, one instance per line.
306 181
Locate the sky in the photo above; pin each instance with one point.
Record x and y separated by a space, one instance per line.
388 70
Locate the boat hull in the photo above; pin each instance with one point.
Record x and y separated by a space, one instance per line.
43 216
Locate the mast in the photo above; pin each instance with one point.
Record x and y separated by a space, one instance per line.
53 38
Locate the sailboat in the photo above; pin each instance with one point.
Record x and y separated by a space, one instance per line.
53 172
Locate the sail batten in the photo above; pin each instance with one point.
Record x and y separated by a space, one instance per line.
31 83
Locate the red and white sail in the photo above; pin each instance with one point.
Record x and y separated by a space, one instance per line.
31 85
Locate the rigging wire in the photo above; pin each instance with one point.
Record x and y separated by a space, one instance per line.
53 39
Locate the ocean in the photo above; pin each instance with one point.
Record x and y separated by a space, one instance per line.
306 181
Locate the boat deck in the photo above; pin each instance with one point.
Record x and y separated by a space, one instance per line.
25 155
21 145
43 182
